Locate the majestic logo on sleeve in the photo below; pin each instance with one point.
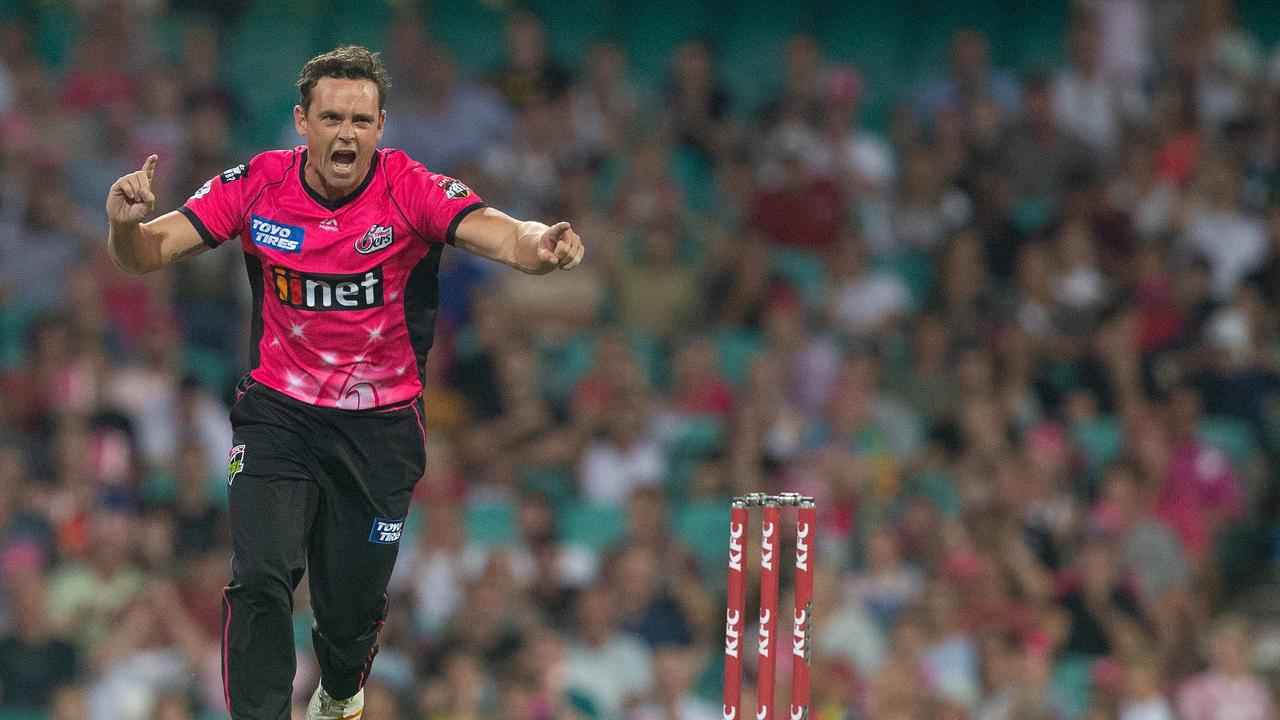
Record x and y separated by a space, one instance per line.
454 189
236 464
313 291
386 532
275 235
378 237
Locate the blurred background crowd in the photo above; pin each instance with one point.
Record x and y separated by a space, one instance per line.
999 289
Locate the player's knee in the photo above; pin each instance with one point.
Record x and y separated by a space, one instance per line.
263 584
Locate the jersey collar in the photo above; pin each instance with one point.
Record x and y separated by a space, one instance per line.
332 205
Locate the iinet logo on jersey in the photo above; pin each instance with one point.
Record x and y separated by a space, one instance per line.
313 291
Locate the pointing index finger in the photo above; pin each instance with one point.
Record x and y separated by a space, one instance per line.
149 167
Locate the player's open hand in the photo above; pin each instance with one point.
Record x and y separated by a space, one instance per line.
130 200
560 246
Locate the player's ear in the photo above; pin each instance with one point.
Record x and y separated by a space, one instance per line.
382 120
299 120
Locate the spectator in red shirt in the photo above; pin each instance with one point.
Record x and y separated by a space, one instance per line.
803 211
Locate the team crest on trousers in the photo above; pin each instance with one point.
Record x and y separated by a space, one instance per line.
236 464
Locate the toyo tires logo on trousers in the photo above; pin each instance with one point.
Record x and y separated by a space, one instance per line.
386 532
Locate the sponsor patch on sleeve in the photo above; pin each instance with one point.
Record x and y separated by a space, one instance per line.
454 189
235 173
386 532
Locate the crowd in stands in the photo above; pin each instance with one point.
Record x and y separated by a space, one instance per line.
1020 341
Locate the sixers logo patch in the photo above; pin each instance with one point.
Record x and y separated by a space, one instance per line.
378 237
454 189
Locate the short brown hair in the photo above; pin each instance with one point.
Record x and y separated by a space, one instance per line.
351 62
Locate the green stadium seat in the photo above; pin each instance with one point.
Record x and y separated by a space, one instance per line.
649 352
1071 687
750 42
563 365
573 27
696 178
473 32
650 31
871 36
703 527
804 271
212 369
358 22
491 523
1231 435
56 30
694 439
554 483
594 527
1100 441
940 491
698 436
22 714
261 59
13 334
735 349
1261 18
915 270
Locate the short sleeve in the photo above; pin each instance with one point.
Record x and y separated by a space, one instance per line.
435 203
216 208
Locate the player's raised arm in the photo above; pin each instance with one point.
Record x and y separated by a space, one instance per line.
527 246
137 247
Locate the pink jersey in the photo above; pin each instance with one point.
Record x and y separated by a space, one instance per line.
344 291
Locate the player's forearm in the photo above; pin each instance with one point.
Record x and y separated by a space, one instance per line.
133 249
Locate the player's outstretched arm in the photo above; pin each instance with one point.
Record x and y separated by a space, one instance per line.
528 246
137 247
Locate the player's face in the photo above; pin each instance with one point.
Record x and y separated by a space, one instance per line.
342 127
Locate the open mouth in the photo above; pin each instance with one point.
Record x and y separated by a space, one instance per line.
343 160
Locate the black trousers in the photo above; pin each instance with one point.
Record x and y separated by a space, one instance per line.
316 489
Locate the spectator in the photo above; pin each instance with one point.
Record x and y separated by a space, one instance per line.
447 121
673 675
34 660
625 458
86 599
1087 102
1226 688
801 210
1143 698
865 302
970 74
611 667
658 293
528 72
